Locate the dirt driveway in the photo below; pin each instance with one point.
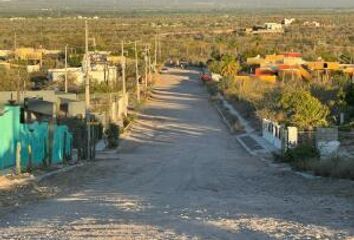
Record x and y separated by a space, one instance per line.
181 175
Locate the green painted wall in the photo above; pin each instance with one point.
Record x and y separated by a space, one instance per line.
35 135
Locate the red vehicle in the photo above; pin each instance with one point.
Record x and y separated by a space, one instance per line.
205 76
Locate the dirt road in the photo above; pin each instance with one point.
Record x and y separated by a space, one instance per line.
181 175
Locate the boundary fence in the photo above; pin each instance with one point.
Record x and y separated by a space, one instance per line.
37 143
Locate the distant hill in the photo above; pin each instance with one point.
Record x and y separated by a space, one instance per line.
93 5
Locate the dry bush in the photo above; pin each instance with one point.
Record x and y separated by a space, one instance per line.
334 167
251 90
306 158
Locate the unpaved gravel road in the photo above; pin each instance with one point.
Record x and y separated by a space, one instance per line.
181 175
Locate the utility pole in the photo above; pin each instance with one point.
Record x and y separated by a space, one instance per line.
15 41
149 64
66 69
155 59
123 71
137 73
160 51
24 85
146 66
87 92
87 66
18 95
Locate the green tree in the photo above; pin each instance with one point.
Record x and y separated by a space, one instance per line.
349 97
214 66
302 109
229 66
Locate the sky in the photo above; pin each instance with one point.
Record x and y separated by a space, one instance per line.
174 4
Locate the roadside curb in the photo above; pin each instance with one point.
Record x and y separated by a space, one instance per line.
31 178
237 139
245 147
55 172
222 116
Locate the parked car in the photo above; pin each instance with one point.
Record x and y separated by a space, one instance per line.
184 64
164 70
205 76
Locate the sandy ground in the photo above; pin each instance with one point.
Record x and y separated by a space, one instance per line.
180 175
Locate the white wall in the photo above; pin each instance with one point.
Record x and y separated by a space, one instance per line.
101 74
271 132
275 134
57 75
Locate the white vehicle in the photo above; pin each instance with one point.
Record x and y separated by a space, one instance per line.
164 70
216 77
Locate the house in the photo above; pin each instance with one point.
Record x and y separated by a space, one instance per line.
273 26
288 58
4 54
29 54
115 60
268 28
99 56
103 73
46 95
312 24
322 65
33 68
46 103
58 75
272 66
52 52
288 22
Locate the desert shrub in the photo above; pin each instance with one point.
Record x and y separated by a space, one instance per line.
215 66
306 158
129 119
78 128
302 152
13 79
113 133
333 167
226 83
212 88
350 95
346 127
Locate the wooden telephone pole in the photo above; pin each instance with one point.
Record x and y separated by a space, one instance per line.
149 63
87 91
160 51
155 56
146 58
66 69
18 94
123 71
137 73
15 41
87 66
